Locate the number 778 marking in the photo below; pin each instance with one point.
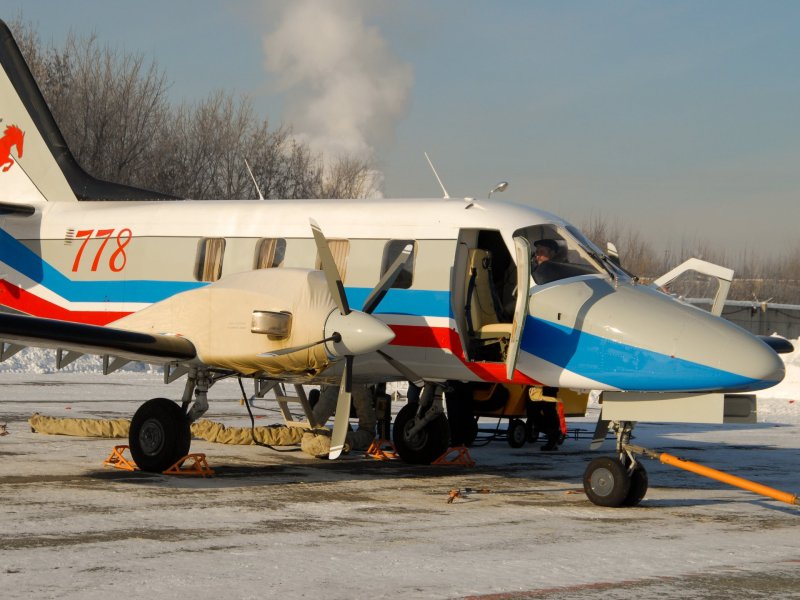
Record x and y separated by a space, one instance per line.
123 239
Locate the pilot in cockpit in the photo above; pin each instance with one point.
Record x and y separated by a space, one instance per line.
545 250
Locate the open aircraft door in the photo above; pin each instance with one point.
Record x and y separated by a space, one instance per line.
522 247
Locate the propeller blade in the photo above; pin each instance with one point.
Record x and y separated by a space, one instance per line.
342 415
379 291
335 338
403 370
329 268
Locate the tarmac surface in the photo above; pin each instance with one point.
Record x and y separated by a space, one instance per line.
271 524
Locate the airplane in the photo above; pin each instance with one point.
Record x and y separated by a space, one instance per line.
255 289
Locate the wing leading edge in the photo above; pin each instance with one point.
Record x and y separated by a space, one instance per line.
23 331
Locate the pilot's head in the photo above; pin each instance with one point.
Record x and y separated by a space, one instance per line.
545 250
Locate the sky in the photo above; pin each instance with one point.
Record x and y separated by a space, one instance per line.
680 120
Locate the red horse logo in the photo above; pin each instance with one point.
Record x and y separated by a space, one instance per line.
13 136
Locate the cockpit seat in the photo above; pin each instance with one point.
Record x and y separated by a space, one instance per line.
483 323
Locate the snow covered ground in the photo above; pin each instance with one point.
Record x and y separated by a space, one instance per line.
272 525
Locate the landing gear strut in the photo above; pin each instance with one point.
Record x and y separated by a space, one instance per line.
620 480
160 433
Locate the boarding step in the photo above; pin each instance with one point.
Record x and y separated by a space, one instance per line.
284 400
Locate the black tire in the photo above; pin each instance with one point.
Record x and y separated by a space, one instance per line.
160 435
427 445
639 483
606 482
517 433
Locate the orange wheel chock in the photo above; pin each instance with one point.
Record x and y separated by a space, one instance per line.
461 457
117 459
381 449
198 468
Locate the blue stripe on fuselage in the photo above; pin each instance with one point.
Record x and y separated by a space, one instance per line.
421 303
621 365
20 258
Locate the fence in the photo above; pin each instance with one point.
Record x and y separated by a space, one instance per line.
760 318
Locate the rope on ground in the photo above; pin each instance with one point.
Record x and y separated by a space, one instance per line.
313 442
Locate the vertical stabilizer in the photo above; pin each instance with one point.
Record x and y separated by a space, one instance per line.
35 161
29 168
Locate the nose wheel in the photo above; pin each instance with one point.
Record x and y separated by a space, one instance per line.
616 481
608 482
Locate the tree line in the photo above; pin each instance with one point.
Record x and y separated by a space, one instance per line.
115 114
756 277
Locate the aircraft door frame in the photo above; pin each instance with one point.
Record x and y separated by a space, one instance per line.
522 248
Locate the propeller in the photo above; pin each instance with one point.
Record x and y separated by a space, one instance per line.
352 332
360 332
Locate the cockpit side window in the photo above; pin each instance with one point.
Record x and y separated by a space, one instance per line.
567 256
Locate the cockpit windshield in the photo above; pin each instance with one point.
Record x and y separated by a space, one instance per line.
567 253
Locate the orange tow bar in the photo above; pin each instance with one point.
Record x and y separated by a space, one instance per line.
733 480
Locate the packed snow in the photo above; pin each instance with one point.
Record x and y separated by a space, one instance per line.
290 526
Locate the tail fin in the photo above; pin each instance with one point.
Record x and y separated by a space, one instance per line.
45 167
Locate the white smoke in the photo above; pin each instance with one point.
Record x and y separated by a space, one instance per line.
345 89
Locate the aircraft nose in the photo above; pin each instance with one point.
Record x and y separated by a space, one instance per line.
637 339
715 353
755 361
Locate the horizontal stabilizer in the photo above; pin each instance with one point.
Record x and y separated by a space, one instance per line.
779 344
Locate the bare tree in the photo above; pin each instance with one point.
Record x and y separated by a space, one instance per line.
113 110
348 177
757 277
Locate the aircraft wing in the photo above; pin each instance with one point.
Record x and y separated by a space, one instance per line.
19 331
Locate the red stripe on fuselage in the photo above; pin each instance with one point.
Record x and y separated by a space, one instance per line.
446 338
413 336
16 298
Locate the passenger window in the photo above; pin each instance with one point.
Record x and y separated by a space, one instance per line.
391 251
270 253
340 249
210 252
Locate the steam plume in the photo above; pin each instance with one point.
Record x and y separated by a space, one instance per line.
345 90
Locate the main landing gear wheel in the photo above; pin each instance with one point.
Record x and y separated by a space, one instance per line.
160 435
517 433
606 482
424 446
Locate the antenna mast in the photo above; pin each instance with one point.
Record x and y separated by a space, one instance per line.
260 195
446 195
